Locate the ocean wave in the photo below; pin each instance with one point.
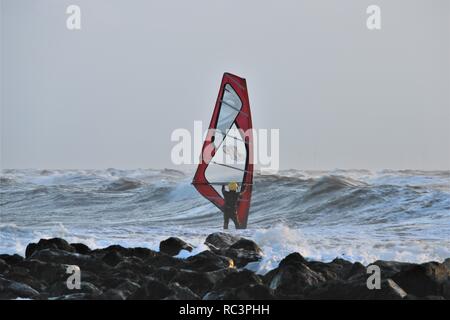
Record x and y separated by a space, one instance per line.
123 184
359 213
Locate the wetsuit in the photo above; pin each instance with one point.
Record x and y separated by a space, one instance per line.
229 212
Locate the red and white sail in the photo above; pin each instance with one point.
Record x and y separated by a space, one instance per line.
227 153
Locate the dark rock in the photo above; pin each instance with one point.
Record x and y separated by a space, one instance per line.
250 292
81 248
247 245
25 278
214 295
128 287
54 243
207 261
293 276
30 249
173 245
116 276
141 253
12 290
241 250
3 266
11 259
152 289
357 270
63 257
164 260
337 269
357 290
134 265
241 257
19 270
198 282
390 268
60 288
238 279
181 293
114 294
112 258
165 274
89 276
428 279
446 263
221 241
294 259
76 296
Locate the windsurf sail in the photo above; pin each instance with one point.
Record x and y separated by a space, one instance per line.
227 152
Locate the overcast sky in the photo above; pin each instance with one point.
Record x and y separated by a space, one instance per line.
110 94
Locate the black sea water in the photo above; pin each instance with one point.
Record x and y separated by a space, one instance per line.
358 215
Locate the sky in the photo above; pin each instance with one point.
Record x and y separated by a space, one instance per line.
111 94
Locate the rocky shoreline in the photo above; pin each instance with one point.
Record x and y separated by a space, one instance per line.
120 273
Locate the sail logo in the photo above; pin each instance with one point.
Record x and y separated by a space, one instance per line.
227 148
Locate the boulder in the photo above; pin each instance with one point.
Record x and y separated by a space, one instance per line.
427 279
11 290
173 245
128 287
357 290
390 268
241 250
141 253
151 289
60 289
337 269
25 278
293 276
76 296
114 294
54 243
47 272
198 282
3 266
164 260
237 279
11 259
112 258
207 261
83 261
250 292
181 293
81 248
165 274
220 241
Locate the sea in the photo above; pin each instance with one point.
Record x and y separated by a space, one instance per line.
358 215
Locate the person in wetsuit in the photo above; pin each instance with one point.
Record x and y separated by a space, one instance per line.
231 198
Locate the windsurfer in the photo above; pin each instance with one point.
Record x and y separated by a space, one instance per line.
231 198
